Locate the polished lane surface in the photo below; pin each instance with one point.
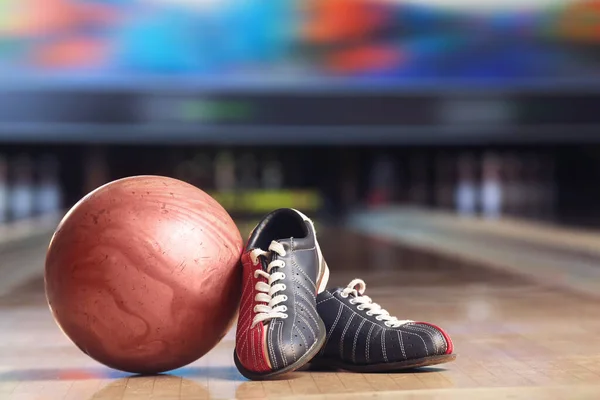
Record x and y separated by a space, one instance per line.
514 338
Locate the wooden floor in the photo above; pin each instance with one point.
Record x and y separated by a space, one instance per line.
514 338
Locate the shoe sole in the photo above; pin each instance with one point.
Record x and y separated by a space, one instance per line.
384 367
301 362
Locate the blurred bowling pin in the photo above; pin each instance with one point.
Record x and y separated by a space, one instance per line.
248 171
520 184
512 186
225 172
418 193
532 186
48 198
348 186
3 190
184 171
382 181
197 171
272 174
201 171
444 182
96 171
491 187
548 190
22 191
465 196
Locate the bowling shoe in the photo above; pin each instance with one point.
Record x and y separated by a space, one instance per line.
363 337
279 329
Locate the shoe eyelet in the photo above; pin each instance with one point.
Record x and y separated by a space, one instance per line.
369 313
378 318
345 296
387 324
283 286
282 275
254 309
360 307
352 301
285 316
284 309
285 297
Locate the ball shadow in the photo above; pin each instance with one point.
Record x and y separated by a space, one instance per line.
227 373
79 374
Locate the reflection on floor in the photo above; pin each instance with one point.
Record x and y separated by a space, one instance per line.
513 337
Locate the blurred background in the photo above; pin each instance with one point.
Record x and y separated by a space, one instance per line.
330 106
437 143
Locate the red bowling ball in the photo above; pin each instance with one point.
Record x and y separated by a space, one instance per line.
143 274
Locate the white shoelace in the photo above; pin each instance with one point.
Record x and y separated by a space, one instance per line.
266 312
365 302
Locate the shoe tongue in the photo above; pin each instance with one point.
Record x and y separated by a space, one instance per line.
265 260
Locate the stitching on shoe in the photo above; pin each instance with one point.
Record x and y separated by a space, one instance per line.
245 342
271 349
332 329
369 340
323 301
307 277
253 350
355 340
245 327
434 332
401 344
419 336
310 249
307 312
303 339
285 361
344 336
305 298
309 327
383 345
353 311
312 292
421 329
293 261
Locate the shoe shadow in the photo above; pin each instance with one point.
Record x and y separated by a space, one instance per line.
420 370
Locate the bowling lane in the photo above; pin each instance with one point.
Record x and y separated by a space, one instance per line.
514 337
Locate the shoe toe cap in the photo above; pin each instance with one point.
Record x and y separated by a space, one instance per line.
437 340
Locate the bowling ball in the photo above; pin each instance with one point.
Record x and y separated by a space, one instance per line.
143 274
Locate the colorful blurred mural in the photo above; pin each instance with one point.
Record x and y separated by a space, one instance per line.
353 38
